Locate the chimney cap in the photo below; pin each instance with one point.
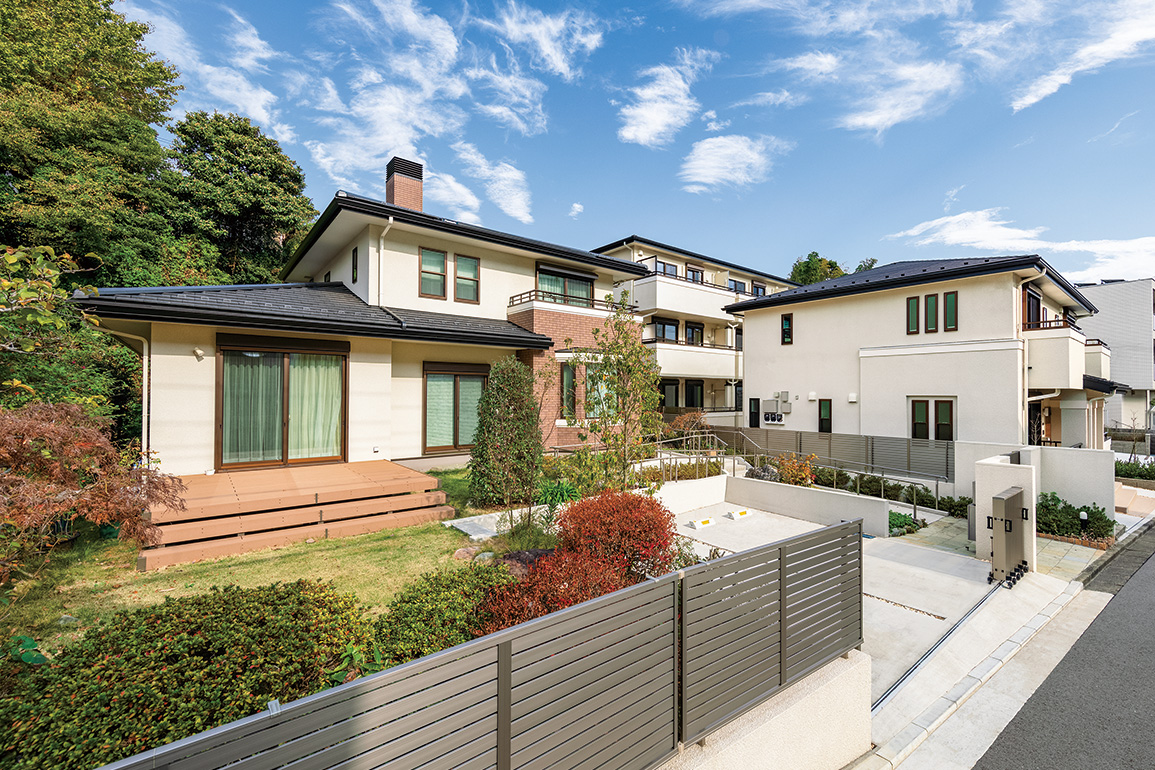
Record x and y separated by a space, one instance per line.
404 167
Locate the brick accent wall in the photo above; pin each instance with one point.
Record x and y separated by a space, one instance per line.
559 326
401 190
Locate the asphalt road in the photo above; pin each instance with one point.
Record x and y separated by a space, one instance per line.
1095 709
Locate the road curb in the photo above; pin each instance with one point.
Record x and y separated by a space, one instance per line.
1097 566
901 746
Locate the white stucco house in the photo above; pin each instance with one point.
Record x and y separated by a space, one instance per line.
977 350
1126 322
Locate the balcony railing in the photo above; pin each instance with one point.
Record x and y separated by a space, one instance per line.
1096 343
557 298
666 341
1059 323
703 283
706 409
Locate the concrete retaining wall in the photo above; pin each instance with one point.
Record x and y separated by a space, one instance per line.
684 496
821 506
819 723
1079 476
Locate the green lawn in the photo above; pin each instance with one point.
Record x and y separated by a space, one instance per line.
92 578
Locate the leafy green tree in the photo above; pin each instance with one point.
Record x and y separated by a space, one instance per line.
622 402
813 269
243 195
866 264
505 462
79 159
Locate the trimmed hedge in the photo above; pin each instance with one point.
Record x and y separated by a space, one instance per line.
158 674
1136 469
1055 516
437 611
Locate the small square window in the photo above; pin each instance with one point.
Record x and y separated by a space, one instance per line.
738 286
695 274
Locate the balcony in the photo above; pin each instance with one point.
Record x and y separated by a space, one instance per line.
1097 358
681 359
663 293
538 299
1056 355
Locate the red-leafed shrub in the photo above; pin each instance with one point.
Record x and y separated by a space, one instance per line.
621 527
554 583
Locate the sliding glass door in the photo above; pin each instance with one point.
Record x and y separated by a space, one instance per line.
452 393
279 407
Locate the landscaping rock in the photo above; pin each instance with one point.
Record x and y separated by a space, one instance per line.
485 556
311 540
519 562
67 620
467 553
764 473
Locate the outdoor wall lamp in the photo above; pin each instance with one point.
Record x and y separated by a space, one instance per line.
200 354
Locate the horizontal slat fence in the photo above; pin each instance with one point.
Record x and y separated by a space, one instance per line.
615 683
762 619
892 455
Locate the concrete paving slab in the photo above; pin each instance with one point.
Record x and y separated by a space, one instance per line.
759 528
967 734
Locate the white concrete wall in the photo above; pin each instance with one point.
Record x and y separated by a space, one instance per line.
993 476
1079 476
815 504
340 266
685 496
819 723
687 361
183 400
370 399
1056 358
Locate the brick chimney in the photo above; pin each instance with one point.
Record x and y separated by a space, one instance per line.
403 183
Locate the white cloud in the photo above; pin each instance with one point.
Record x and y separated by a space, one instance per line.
822 17
446 190
729 161
904 91
1124 36
249 50
713 124
517 99
987 230
1113 128
779 98
951 198
664 105
815 65
575 210
557 42
505 186
225 87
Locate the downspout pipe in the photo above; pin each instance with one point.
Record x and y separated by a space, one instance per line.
146 391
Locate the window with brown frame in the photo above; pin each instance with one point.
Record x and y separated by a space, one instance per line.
452 393
912 315
695 393
695 274
568 391
944 420
280 401
788 329
466 279
920 419
667 268
433 264
695 333
758 290
824 415
930 322
354 264
950 311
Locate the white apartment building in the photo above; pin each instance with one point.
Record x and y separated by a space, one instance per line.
981 350
1126 322
699 346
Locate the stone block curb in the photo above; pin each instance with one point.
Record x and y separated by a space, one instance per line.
893 752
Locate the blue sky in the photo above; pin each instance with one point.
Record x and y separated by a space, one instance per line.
755 131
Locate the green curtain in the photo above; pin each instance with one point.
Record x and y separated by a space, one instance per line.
551 283
314 405
583 291
469 389
438 410
252 407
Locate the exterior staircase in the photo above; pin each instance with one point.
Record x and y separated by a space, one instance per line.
1130 502
235 512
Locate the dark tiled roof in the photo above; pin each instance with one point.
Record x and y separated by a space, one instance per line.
1091 382
911 273
691 254
322 308
344 201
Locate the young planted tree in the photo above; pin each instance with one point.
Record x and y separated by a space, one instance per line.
505 461
622 402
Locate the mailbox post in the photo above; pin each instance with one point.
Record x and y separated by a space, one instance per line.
1010 527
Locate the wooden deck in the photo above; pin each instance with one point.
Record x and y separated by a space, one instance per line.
237 511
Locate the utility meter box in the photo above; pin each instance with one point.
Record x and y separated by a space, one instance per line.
784 408
769 405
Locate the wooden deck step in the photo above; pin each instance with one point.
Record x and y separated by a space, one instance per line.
156 558
237 511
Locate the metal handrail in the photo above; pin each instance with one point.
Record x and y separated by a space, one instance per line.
557 298
1061 323
703 282
664 340
1096 342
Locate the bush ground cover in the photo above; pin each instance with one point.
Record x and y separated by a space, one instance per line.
1056 516
1135 469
